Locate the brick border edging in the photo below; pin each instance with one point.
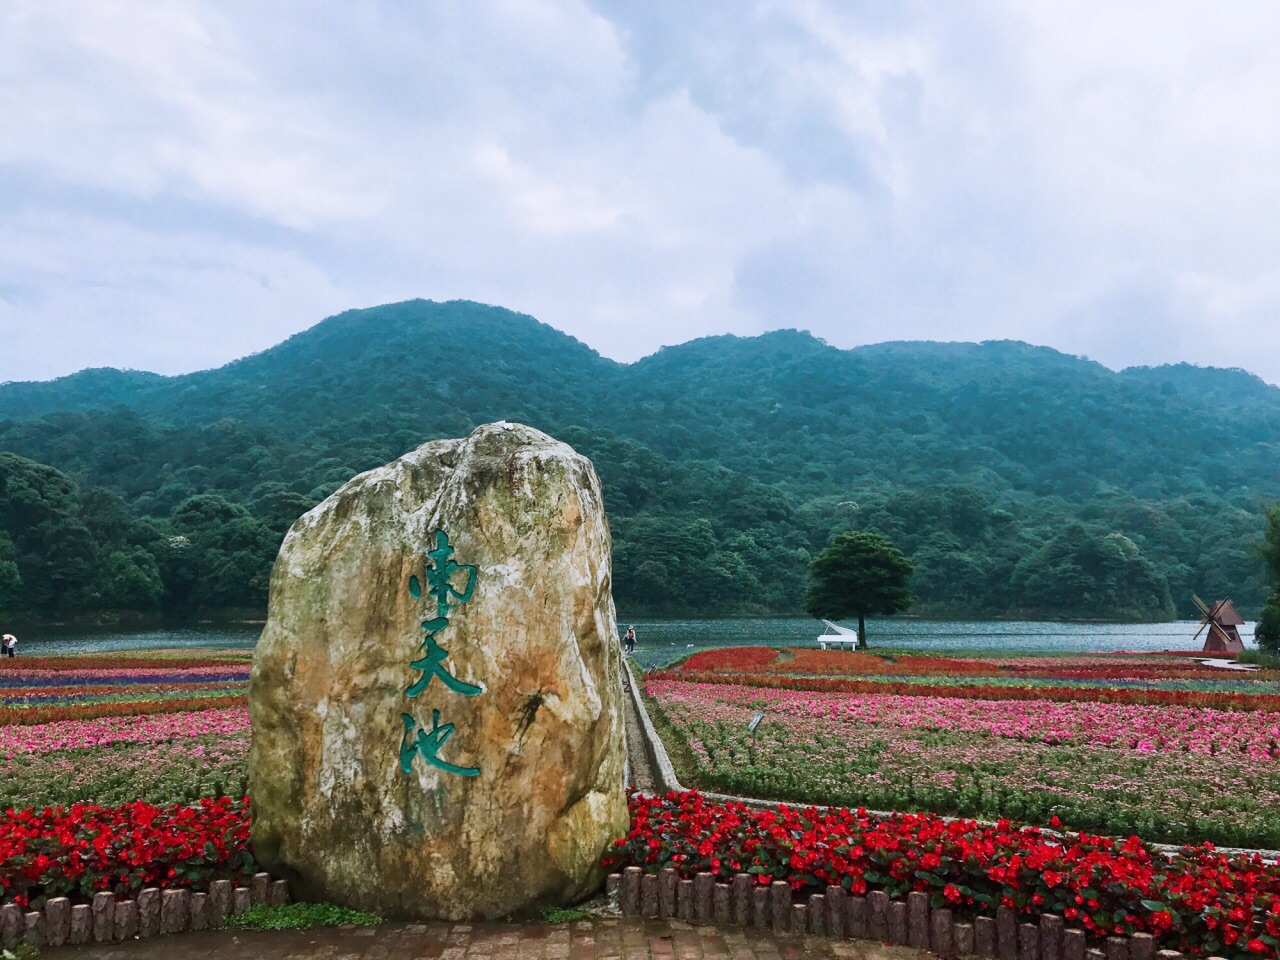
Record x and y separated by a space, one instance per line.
837 914
155 912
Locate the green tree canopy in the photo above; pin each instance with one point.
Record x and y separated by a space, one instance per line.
1267 633
1092 569
859 575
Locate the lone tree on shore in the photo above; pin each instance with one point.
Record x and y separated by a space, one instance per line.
859 575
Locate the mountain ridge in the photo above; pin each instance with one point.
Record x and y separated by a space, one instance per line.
86 388
727 461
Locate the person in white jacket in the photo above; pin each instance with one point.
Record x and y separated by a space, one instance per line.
10 644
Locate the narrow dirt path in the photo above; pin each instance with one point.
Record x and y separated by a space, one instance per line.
641 773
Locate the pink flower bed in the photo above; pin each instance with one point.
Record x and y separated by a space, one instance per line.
1140 727
80 734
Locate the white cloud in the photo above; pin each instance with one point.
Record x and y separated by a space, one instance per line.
1097 177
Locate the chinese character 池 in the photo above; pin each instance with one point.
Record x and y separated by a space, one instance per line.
428 746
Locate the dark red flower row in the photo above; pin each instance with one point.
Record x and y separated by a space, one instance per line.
1200 901
731 658
79 850
30 716
852 663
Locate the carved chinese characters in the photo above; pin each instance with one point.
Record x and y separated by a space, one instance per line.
442 569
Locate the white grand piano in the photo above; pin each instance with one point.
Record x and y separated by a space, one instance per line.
840 637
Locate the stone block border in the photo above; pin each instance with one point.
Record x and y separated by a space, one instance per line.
154 912
837 914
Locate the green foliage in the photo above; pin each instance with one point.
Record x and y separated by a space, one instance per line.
1270 548
859 575
563 914
22 951
1090 568
301 916
727 464
219 556
1267 633
1268 661
68 554
61 553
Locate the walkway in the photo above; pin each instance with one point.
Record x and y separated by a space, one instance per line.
638 761
627 938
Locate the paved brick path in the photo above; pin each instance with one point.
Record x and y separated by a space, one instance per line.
627 938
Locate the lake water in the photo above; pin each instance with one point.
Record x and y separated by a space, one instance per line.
661 641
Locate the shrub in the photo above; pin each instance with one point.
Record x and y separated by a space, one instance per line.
1198 901
79 850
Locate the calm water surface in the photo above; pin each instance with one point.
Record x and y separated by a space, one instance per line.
663 640
80 640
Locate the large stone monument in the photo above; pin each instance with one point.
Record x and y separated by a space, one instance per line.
436 698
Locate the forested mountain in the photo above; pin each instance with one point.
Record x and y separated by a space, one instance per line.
1022 481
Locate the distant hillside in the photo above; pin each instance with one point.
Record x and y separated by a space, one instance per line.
1004 468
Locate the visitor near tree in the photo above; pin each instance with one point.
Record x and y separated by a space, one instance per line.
10 645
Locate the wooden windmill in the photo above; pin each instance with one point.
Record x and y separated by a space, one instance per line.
1223 623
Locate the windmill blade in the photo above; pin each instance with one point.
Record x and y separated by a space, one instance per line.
1204 609
1210 617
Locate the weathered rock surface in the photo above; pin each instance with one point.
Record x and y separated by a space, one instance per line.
515 789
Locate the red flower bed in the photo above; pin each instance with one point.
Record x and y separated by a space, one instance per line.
1184 698
731 658
80 850
19 716
1199 901
1133 672
839 662
851 663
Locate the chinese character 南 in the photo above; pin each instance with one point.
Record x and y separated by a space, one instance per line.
440 577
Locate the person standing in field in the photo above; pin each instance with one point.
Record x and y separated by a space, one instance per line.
629 642
10 644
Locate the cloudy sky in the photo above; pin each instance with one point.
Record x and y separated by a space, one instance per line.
186 181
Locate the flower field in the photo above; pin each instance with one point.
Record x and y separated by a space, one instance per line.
158 729
1199 901
1096 742
1128 668
117 774
120 774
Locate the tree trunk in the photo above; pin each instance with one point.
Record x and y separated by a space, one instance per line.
862 633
